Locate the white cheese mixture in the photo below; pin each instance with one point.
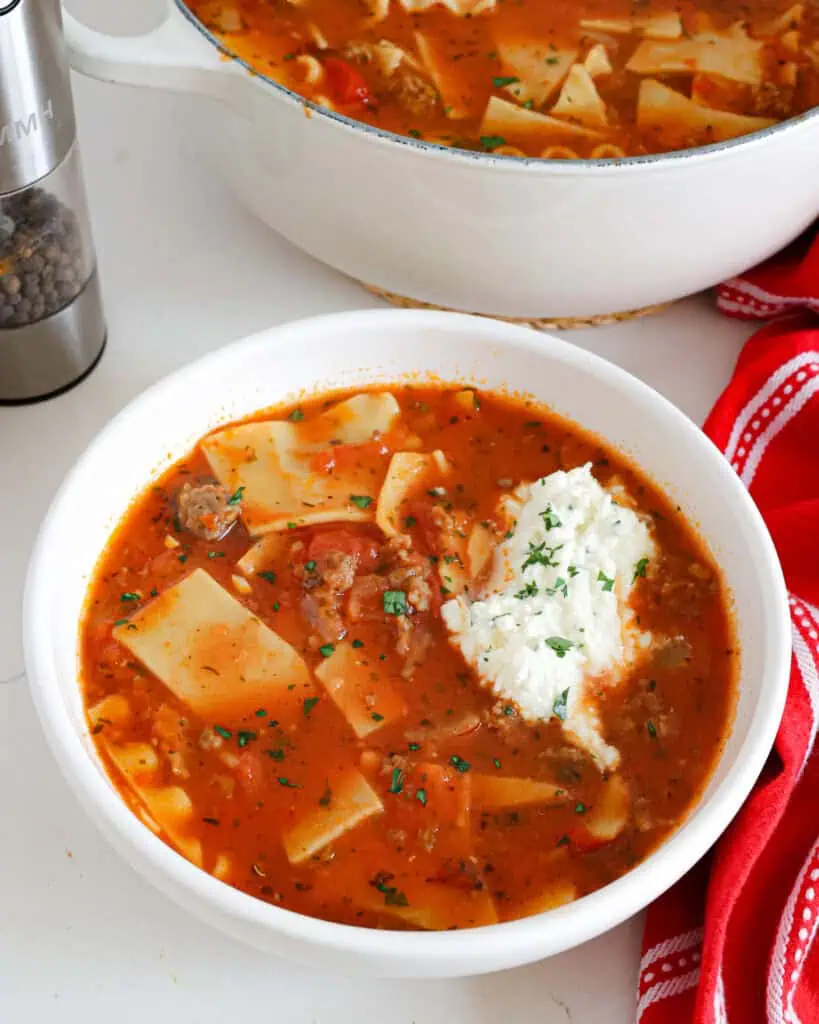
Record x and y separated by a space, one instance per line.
554 612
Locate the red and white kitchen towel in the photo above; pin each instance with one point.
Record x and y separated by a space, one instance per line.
733 941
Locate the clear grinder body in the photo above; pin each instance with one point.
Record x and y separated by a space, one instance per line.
52 327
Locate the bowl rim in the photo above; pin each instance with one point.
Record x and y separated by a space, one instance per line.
522 940
507 162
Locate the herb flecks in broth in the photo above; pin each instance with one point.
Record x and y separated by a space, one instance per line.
295 716
604 79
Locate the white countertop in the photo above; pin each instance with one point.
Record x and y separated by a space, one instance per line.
82 938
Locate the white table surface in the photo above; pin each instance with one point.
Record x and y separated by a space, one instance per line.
185 270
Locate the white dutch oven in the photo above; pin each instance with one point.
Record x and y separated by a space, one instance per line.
351 349
471 231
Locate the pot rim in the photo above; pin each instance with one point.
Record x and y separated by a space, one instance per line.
515 164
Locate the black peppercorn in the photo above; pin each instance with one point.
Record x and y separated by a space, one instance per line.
42 262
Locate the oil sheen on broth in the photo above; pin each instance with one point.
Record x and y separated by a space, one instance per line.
417 658
599 79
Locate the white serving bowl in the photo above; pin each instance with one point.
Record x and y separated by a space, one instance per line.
473 231
352 349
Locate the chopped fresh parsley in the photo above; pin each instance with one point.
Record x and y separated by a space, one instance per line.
291 526
528 104
275 753
376 717
121 622
357 644
496 762
552 60
459 764
309 704
421 796
414 746
529 590
326 797
129 595
499 81
492 142
245 736
296 416
396 781
392 897
410 521
560 706
540 554
361 500
310 566
183 558
560 587
652 729
607 581
326 650
222 731
563 841
267 575
261 713
550 519
287 783
216 554
395 602
414 133
573 571
236 497
579 807
509 710
276 606
640 569
560 645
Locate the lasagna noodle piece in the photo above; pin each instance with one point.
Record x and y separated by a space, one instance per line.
734 56
436 907
211 652
579 99
527 127
405 472
168 807
351 801
557 894
791 19
494 793
597 62
667 25
451 78
271 461
460 8
263 553
538 68
667 110
359 689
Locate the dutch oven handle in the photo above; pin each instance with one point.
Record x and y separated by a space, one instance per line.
175 56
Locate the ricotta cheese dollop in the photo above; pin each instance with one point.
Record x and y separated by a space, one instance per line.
553 615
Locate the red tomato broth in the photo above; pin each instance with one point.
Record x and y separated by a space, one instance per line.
668 721
272 36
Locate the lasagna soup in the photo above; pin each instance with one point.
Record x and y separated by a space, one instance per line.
599 79
419 658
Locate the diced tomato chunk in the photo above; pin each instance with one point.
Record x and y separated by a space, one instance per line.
252 773
347 86
346 543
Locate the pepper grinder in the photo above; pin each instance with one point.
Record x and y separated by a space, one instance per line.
52 327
